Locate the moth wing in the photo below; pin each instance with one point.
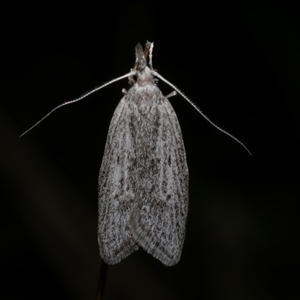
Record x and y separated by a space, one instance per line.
158 217
115 189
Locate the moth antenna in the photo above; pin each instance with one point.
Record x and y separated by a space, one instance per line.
198 110
132 73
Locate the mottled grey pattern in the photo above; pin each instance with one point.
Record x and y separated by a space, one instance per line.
143 181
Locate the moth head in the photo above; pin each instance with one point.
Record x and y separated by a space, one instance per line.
141 67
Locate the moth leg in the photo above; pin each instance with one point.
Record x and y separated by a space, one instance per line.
171 94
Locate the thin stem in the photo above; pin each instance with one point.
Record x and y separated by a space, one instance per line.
101 282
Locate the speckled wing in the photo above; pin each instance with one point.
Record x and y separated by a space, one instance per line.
116 188
159 212
143 181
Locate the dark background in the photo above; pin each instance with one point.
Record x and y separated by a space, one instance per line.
238 61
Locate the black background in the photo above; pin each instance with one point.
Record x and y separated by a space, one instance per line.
238 61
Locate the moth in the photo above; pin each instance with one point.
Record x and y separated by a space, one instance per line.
143 179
